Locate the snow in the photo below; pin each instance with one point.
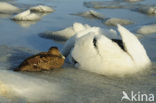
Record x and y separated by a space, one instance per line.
25 24
150 10
32 14
65 34
42 9
26 16
8 8
75 85
67 85
91 14
115 21
147 29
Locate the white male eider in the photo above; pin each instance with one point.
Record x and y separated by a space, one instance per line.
95 52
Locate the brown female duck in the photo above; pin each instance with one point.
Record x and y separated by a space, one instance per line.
43 61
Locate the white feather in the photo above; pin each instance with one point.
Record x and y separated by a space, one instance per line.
107 57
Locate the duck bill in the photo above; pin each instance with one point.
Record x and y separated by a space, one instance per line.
62 56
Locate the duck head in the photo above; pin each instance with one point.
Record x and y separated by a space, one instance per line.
55 51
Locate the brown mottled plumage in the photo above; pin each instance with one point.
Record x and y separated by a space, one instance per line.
43 61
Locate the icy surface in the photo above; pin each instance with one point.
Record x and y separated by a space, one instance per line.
91 14
115 21
8 8
147 29
151 10
75 86
66 85
26 16
65 34
42 9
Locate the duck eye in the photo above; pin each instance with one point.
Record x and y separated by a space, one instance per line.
95 42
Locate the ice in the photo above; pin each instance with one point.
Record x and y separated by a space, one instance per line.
42 9
147 29
91 14
151 10
115 21
67 85
8 8
75 85
33 14
26 16
65 34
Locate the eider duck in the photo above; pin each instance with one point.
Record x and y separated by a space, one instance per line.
43 61
92 50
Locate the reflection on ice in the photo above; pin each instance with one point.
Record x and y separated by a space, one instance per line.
26 24
4 15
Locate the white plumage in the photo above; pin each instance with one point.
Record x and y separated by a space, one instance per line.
93 51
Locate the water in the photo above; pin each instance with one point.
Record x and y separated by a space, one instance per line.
68 85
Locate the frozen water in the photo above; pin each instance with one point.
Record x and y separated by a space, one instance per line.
8 8
42 9
65 34
75 86
91 14
147 29
151 10
66 85
115 21
26 16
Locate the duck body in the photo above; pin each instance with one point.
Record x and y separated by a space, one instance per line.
40 62
94 51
